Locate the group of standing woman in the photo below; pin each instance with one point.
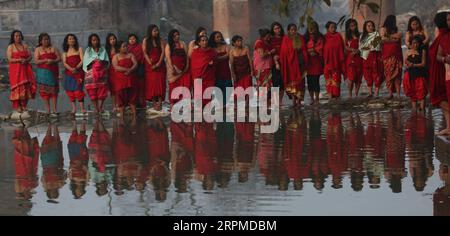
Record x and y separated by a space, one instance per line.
135 73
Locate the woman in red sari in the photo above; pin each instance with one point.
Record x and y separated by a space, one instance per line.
276 41
314 43
443 56
112 49
177 62
223 70
370 48
241 64
334 59
21 76
415 77
293 59
264 55
155 69
74 74
125 64
354 62
203 66
47 58
135 48
392 55
438 91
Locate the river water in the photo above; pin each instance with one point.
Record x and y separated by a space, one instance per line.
320 162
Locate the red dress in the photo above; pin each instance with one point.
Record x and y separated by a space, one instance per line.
125 84
138 53
315 63
392 56
242 71
438 91
293 62
263 65
179 59
223 71
155 80
201 69
48 87
334 59
22 80
354 63
276 43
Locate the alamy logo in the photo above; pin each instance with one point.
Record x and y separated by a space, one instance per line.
213 110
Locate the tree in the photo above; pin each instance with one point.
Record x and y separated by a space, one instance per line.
311 5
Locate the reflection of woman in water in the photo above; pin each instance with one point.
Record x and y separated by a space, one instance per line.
225 158
337 160
205 154
53 174
441 197
26 158
79 158
297 165
245 136
420 159
395 152
182 150
317 153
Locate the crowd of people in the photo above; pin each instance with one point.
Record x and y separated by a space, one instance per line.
136 73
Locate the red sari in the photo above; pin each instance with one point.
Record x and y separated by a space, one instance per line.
179 59
445 45
438 91
263 65
74 83
22 80
155 80
334 58
315 63
26 161
48 85
354 63
125 84
293 60
139 87
242 71
201 69
392 57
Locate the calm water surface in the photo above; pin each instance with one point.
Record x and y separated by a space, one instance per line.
318 163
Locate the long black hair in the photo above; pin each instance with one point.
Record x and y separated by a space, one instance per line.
390 24
197 34
212 39
149 42
11 40
411 20
65 45
440 20
365 32
279 25
316 36
92 36
263 33
108 46
41 37
171 41
348 32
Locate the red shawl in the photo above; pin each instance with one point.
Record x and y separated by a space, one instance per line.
200 67
290 61
333 52
437 72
